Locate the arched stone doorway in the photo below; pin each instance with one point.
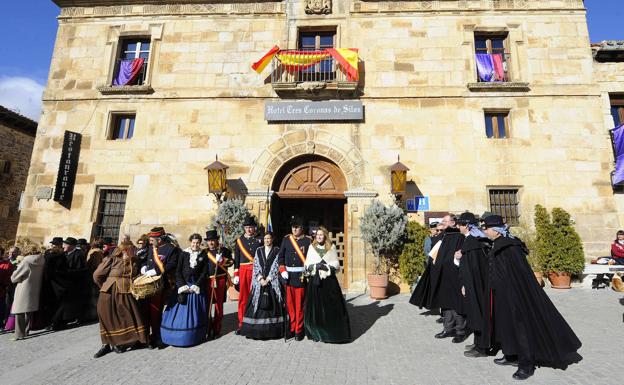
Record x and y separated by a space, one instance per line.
313 188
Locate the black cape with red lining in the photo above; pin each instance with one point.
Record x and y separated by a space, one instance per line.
524 317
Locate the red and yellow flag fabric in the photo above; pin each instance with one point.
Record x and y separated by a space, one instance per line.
293 60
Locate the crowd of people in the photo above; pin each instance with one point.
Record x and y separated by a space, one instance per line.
154 294
478 277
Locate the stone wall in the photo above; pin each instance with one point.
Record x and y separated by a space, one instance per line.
17 149
417 64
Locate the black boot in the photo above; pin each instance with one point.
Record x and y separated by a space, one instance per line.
475 353
299 336
459 338
445 334
506 361
119 349
104 350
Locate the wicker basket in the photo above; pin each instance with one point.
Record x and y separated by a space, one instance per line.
145 287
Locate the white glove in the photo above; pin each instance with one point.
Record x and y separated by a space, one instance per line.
183 289
219 258
150 273
285 274
194 288
259 277
235 280
143 269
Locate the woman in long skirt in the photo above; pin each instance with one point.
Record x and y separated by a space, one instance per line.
185 321
121 322
326 318
264 315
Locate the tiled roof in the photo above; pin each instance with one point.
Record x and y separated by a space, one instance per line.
18 122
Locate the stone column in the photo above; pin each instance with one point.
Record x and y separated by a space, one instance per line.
359 258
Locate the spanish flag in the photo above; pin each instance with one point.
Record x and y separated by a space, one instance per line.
261 64
348 59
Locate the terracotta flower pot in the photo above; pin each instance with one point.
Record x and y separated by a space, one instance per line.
540 278
378 284
560 280
232 294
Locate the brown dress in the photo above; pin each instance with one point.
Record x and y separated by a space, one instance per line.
121 321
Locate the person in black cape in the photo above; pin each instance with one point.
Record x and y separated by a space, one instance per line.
421 296
69 278
265 314
326 318
473 268
445 289
525 323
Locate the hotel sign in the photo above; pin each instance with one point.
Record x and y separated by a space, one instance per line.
68 166
350 110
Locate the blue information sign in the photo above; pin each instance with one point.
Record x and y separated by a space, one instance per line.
417 204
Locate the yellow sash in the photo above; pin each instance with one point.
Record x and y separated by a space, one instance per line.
293 241
244 250
157 260
213 259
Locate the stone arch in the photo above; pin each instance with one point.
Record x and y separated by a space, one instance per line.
310 141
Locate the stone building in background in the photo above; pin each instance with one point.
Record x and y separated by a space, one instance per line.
494 105
17 136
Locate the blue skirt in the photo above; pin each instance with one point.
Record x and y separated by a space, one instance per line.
185 324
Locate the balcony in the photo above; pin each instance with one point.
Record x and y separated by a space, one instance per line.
134 82
493 74
319 74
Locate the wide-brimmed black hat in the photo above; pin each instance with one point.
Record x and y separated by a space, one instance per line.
57 241
212 235
82 241
493 221
433 225
250 221
296 221
466 218
71 241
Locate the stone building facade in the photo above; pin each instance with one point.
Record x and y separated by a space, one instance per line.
537 136
17 136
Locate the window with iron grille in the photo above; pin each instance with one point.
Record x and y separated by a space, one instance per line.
318 40
110 213
497 125
130 50
504 202
495 45
122 126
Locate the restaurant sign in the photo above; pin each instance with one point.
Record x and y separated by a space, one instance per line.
314 111
68 167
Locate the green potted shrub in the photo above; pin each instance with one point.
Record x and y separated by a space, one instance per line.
529 237
383 229
559 247
412 258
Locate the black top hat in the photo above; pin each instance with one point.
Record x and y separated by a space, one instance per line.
250 221
57 241
493 221
467 218
82 241
211 235
70 241
296 221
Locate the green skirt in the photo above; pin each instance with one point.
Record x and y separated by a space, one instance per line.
326 318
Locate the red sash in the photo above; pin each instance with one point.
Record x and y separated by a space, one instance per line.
293 241
244 250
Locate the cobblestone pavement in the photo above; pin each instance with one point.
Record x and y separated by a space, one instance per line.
393 344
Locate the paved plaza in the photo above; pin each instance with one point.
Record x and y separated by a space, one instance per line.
393 344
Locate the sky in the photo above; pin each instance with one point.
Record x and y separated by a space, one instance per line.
28 31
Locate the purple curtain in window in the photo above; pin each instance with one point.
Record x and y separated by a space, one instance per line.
618 147
485 67
128 71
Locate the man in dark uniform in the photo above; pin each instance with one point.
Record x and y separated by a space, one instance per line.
291 260
219 259
244 253
162 259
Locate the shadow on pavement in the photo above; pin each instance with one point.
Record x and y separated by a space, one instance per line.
363 317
